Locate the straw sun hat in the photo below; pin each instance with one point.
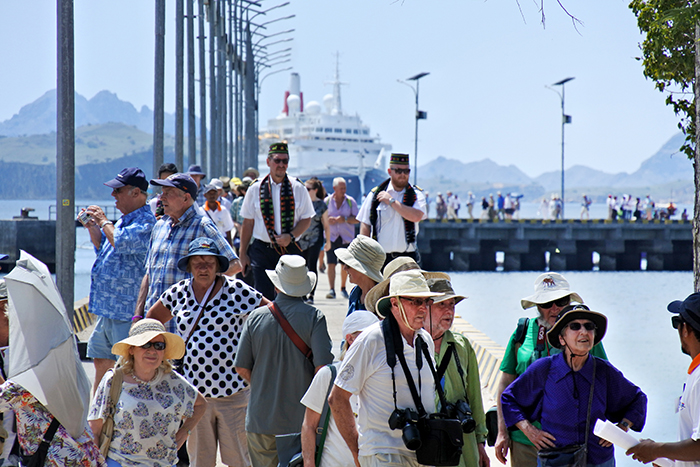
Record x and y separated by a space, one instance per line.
142 331
548 287
364 255
405 284
292 277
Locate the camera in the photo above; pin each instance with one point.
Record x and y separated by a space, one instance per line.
83 217
407 420
462 412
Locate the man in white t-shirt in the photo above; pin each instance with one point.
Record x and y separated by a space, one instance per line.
216 212
366 373
686 452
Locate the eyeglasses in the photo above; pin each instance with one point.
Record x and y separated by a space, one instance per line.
155 345
559 302
283 160
310 188
402 171
587 326
676 321
419 302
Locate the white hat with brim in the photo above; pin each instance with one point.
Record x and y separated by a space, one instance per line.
292 277
364 255
402 263
548 287
143 331
405 284
358 320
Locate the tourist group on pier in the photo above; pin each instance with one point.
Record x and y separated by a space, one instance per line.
208 347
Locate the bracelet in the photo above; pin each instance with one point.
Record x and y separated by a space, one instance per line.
105 222
136 318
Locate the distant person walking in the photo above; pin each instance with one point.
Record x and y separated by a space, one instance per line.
440 207
195 171
585 203
484 208
648 207
508 208
500 205
342 217
470 204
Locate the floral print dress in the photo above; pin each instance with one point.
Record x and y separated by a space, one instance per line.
33 419
146 418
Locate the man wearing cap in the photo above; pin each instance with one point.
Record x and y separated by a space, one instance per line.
380 388
391 213
455 354
342 210
116 275
686 451
276 211
171 238
216 212
527 344
195 171
164 171
277 370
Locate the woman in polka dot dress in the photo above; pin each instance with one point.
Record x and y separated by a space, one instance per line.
210 310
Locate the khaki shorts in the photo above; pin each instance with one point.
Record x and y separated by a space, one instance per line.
384 459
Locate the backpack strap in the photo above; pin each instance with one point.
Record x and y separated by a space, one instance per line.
322 431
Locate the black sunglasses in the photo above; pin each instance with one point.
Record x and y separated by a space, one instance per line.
402 171
587 326
155 345
676 321
559 302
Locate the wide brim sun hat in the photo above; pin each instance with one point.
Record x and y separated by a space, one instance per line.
400 264
444 287
143 331
203 246
571 313
365 255
405 284
292 277
549 286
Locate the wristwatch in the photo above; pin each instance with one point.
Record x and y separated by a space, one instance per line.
391 200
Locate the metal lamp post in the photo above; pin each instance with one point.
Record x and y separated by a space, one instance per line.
564 120
420 115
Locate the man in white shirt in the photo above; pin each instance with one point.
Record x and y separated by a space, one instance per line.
276 210
216 212
392 211
686 452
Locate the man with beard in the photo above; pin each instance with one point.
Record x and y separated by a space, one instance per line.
392 211
686 452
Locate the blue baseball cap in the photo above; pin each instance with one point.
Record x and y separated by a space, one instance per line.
181 181
203 246
195 170
689 309
132 176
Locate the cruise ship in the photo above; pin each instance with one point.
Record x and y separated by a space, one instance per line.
326 143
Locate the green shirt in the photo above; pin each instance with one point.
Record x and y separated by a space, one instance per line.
520 356
454 387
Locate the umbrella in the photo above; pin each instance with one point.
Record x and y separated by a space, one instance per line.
44 358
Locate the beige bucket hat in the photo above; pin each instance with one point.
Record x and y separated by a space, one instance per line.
365 255
548 287
292 277
143 331
400 264
405 284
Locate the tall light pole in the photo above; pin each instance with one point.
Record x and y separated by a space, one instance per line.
564 120
420 115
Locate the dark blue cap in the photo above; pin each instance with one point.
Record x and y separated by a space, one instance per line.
203 246
182 181
132 176
689 309
195 170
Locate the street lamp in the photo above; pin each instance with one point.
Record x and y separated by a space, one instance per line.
564 120
420 115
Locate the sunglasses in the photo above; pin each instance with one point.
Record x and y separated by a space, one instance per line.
560 303
587 326
155 345
676 322
402 171
283 160
418 302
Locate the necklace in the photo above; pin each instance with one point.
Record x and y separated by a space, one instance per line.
140 381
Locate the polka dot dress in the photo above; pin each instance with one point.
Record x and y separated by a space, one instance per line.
208 363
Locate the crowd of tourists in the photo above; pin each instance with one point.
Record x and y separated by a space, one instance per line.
208 346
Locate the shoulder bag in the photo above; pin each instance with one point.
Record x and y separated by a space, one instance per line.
39 457
108 425
290 332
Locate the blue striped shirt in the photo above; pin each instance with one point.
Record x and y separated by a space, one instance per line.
171 242
118 270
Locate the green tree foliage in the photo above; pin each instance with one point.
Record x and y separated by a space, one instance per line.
668 56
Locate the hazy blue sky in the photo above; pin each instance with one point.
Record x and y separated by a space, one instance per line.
485 95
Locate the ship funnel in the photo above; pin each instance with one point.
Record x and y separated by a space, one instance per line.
294 84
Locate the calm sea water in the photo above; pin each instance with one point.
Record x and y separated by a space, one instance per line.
639 341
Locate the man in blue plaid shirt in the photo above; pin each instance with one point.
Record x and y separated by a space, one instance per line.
170 241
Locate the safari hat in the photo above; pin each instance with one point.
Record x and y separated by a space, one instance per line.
405 284
549 286
365 255
215 182
142 331
444 286
402 263
292 277
203 246
572 312
358 320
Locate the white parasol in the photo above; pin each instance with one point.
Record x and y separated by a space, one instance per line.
43 355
